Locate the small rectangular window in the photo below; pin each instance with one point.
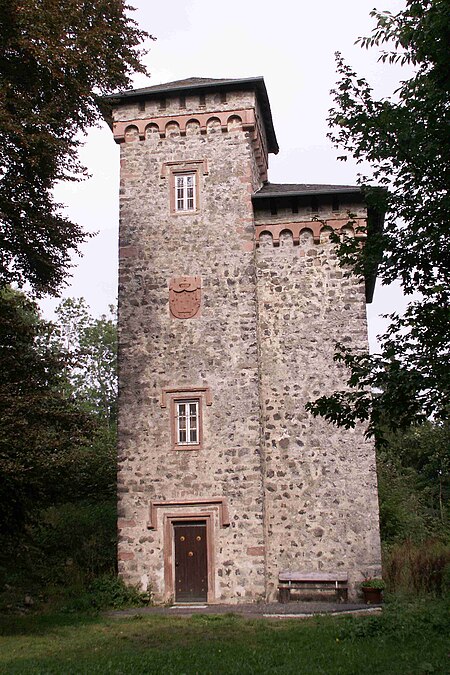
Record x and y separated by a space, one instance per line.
185 192
187 422
186 411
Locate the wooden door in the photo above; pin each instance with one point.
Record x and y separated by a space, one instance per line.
191 563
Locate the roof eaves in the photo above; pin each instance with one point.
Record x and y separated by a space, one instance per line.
305 193
179 85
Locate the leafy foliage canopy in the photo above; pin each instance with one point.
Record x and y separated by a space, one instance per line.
56 58
57 408
406 141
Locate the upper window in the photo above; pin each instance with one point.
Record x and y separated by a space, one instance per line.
187 422
185 184
185 192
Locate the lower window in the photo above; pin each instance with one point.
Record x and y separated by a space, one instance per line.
187 423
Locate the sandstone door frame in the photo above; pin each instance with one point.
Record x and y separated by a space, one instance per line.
169 550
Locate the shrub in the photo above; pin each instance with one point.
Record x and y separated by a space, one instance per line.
68 545
108 592
373 583
77 542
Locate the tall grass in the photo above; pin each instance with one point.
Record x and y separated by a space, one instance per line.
417 568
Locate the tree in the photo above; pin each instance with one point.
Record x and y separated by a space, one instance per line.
406 140
91 346
57 408
90 380
57 57
414 486
40 426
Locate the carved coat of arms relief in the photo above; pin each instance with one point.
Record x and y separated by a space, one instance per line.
185 296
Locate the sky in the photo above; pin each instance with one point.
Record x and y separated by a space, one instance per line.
292 45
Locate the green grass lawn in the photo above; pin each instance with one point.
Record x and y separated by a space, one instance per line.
404 639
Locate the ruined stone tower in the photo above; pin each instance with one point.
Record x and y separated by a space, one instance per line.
230 304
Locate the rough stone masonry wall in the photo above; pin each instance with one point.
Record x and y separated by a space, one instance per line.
321 506
216 349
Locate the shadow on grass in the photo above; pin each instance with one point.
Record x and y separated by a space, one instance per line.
40 624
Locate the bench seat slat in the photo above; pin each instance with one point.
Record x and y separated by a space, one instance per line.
312 576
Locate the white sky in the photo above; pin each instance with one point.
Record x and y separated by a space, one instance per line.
291 44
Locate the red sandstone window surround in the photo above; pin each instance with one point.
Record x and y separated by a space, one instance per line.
184 189
186 415
186 422
185 183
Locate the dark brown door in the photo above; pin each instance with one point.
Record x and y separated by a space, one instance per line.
191 567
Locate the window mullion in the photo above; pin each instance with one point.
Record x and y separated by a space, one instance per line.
188 425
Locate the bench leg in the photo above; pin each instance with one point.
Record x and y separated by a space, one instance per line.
284 594
342 594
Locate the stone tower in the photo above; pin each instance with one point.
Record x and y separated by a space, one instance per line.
230 304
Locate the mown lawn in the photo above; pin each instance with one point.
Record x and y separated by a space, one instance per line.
404 639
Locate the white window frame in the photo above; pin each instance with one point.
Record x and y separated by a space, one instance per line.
185 191
191 424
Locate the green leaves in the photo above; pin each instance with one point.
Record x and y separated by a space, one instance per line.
56 58
39 423
91 346
406 141
414 486
57 407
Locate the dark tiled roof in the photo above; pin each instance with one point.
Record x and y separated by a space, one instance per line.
188 83
292 189
204 84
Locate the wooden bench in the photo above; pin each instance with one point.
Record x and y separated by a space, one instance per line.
315 581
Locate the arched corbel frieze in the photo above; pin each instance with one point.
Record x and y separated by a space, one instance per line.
318 229
187 124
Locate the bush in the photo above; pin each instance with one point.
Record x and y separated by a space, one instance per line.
68 545
108 592
413 484
373 583
399 620
77 542
68 557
